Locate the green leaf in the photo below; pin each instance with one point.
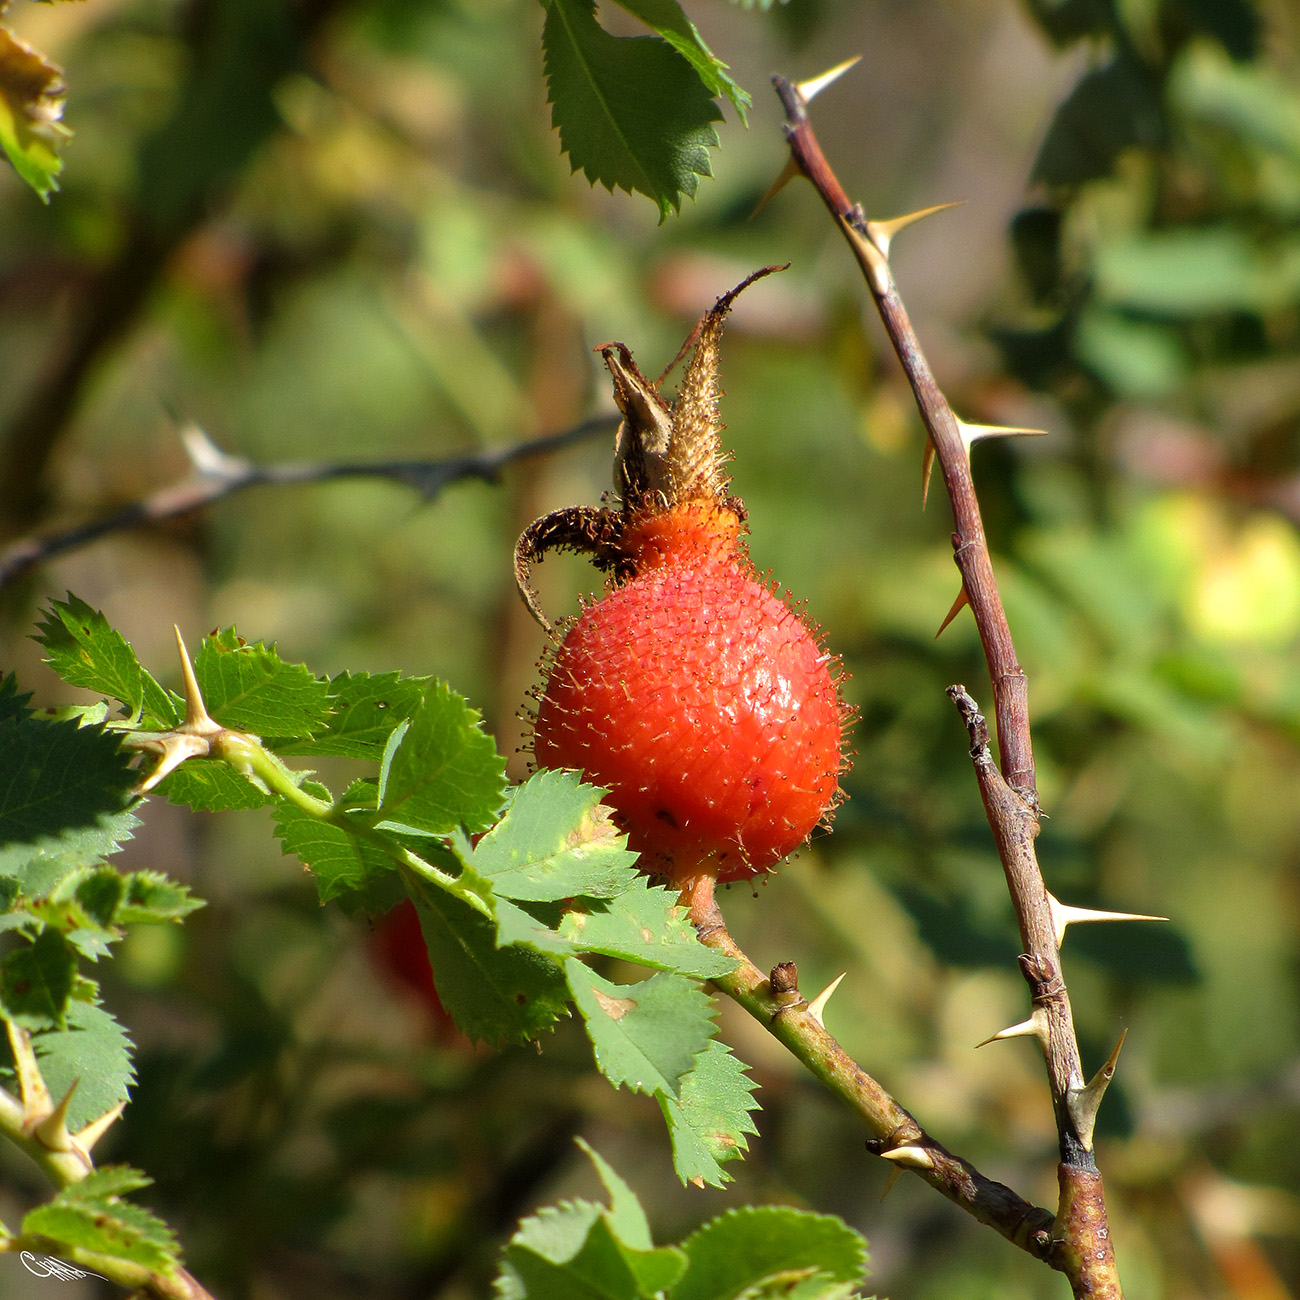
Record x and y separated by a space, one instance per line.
555 841
94 1051
91 1215
602 1268
64 789
31 104
507 994
365 709
85 650
709 1121
632 113
36 981
646 1036
357 874
442 770
247 686
741 1251
207 785
668 20
625 1214
151 897
645 924
14 705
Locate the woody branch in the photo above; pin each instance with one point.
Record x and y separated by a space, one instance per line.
1080 1245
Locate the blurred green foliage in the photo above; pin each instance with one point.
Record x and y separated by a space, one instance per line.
345 230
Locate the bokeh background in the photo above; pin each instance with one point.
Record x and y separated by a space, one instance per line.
342 230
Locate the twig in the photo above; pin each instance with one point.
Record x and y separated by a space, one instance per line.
216 475
896 1136
1080 1245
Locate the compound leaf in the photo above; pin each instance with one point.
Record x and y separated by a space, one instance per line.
246 685
709 1121
365 708
87 651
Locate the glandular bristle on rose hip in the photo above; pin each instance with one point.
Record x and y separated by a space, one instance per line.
692 690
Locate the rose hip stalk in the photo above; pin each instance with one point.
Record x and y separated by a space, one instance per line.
692 690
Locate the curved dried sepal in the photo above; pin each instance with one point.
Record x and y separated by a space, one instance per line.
817 1007
586 530
1084 1103
32 1091
973 433
1035 1027
87 1137
1064 916
788 173
644 437
51 1131
882 232
810 89
909 1157
957 606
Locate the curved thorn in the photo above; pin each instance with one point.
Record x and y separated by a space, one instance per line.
973 433
1084 1103
1063 915
1035 1027
817 1007
957 606
810 89
895 1173
927 464
207 458
52 1130
788 173
909 1157
882 232
197 722
87 1137
874 264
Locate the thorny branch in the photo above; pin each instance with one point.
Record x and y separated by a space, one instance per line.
1077 1240
216 475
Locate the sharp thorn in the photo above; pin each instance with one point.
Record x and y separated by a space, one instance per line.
973 433
1034 1027
88 1136
175 747
957 606
909 1157
1063 916
788 173
197 722
810 89
874 264
52 1129
895 1173
817 1007
31 1083
883 232
207 458
1084 1103
927 465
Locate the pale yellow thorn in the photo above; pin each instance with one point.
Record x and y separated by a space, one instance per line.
817 1007
1084 1103
957 606
973 433
874 263
788 173
87 1137
197 722
52 1129
909 1157
883 232
1063 915
895 1173
207 458
810 89
1035 1027
927 465
31 1083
